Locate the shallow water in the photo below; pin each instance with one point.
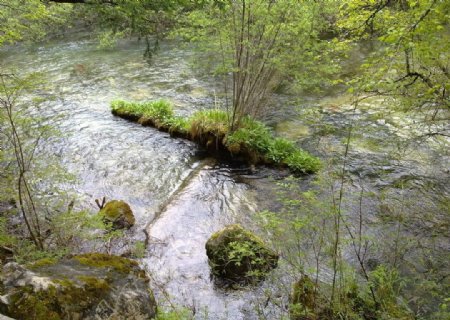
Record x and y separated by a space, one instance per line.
178 196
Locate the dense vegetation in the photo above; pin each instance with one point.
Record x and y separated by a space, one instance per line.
255 48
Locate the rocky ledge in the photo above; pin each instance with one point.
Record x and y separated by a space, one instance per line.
88 286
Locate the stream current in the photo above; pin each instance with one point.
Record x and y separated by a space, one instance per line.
179 196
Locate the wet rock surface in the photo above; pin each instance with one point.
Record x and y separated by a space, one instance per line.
89 286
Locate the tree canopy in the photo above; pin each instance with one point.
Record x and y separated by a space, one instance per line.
410 60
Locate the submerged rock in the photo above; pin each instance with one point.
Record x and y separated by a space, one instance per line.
118 213
237 255
89 286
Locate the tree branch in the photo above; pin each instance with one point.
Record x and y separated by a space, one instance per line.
423 16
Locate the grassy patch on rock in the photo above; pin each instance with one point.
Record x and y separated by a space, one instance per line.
252 141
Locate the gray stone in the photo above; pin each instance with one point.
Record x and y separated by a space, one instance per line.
90 286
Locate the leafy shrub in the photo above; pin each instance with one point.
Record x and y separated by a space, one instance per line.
302 162
279 149
387 285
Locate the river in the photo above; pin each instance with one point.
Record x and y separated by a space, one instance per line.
178 194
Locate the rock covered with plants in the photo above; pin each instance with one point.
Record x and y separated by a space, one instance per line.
237 255
118 213
87 286
250 140
304 300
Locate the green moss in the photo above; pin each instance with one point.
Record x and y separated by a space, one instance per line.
72 290
27 304
64 282
118 213
175 314
42 263
101 260
238 255
307 302
93 283
57 301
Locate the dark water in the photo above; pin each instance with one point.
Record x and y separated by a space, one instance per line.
180 197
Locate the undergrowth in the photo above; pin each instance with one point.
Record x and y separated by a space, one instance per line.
210 128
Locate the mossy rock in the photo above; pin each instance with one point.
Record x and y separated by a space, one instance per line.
237 255
89 286
118 213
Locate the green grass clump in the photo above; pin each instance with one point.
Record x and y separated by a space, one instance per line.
123 108
208 123
178 125
211 128
156 113
252 137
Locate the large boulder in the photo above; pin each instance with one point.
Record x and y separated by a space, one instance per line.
89 286
237 255
118 213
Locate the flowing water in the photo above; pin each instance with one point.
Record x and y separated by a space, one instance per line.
179 196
